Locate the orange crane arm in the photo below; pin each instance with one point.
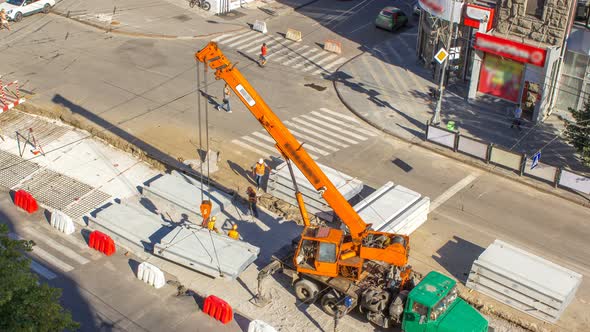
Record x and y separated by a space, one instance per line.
286 143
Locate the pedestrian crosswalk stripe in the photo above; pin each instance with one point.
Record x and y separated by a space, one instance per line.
270 42
59 248
250 147
328 68
293 53
301 56
339 115
326 132
399 79
44 255
344 124
336 128
318 64
243 40
283 51
231 39
315 141
254 45
42 270
308 146
310 60
319 136
270 140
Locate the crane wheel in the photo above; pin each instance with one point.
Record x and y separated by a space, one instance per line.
329 304
306 290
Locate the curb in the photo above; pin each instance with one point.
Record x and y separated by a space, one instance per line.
140 34
431 147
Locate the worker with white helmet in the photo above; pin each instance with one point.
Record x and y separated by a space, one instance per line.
259 170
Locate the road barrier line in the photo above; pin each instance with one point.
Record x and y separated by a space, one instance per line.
319 136
453 190
325 131
347 125
336 128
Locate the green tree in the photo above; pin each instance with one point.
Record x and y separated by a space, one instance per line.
25 303
578 133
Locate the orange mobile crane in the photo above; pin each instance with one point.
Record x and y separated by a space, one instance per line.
324 255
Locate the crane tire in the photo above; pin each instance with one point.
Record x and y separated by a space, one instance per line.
329 304
306 290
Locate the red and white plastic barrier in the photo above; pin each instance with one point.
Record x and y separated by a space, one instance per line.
9 97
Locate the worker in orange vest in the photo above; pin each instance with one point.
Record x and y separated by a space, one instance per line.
234 232
259 170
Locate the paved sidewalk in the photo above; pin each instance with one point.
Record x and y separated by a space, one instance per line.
169 18
386 87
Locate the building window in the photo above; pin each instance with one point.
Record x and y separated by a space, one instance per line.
571 92
535 7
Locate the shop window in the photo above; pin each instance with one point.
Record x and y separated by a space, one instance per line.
535 8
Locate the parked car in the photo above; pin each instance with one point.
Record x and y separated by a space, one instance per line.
391 18
16 9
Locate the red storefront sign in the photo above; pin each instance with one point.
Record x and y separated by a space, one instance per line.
510 49
500 77
474 14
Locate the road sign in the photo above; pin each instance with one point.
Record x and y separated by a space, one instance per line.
536 157
441 55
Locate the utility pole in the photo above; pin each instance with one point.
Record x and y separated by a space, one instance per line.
441 86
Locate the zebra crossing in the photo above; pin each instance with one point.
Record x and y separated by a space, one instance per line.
304 58
323 131
55 252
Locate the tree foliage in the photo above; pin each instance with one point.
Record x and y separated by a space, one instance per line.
578 133
26 304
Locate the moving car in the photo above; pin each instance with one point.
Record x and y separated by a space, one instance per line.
391 18
16 9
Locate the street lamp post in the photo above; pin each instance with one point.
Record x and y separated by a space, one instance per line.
441 87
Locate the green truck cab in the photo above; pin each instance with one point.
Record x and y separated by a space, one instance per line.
434 305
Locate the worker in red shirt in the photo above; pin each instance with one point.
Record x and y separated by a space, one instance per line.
263 51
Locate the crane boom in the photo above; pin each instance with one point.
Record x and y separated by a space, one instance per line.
286 143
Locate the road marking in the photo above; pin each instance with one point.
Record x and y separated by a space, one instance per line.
307 145
328 68
340 115
310 61
294 53
243 40
282 46
301 56
47 257
318 64
326 132
59 248
313 133
344 124
258 43
42 270
323 123
225 42
257 142
453 190
251 148
305 137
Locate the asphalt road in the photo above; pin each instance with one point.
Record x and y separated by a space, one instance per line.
145 87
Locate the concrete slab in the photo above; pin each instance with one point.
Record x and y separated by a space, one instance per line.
206 252
179 194
131 225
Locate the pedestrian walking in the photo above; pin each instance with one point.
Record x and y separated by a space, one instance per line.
517 114
252 200
226 94
263 51
4 20
259 169
234 232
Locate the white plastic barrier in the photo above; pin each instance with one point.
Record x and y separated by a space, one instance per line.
62 222
260 326
151 275
260 26
293 34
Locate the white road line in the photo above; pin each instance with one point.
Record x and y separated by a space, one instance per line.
453 190
300 56
378 78
345 124
318 64
325 131
281 45
59 248
294 53
218 38
260 144
307 145
395 69
258 42
242 35
310 60
340 115
42 270
319 136
249 147
315 141
241 41
324 124
44 255
328 67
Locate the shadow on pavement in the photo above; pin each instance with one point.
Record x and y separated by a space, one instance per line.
457 256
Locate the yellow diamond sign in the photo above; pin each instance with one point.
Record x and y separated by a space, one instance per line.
441 55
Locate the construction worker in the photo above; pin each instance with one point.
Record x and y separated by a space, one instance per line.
226 94
252 199
211 225
258 171
234 232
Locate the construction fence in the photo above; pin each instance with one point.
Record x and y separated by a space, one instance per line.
519 163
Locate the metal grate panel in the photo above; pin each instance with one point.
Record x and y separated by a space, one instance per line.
14 169
45 132
86 204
